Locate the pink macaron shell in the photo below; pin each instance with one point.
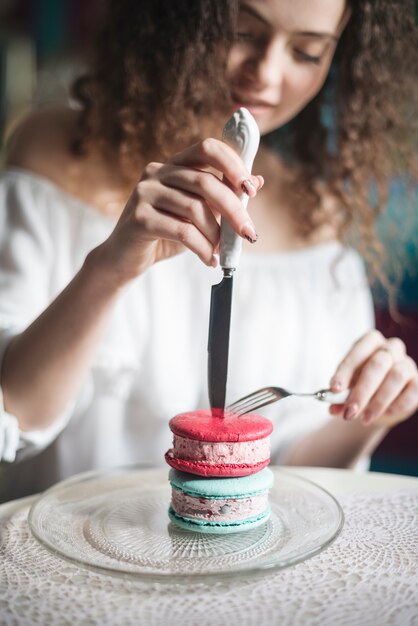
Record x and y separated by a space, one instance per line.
214 469
208 425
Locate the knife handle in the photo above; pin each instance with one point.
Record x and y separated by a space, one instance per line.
242 134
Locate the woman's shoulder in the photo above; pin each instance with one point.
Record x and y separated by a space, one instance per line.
40 143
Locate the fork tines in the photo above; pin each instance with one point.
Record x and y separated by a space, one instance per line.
253 400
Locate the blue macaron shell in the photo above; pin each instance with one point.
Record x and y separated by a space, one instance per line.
238 487
218 528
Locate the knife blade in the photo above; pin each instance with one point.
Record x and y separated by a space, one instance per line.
241 133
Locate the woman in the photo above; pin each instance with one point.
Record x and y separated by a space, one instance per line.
104 323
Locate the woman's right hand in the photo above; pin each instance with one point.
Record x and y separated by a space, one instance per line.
178 205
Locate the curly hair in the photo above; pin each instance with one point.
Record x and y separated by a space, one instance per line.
158 73
361 130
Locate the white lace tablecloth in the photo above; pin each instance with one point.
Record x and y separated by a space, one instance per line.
367 577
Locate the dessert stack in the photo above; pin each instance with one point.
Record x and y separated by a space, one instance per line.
219 475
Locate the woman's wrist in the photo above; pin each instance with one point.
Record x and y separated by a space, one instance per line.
346 443
365 438
100 269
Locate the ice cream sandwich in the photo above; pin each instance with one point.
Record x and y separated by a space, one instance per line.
219 505
229 445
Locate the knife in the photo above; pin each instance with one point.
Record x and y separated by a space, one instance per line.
242 134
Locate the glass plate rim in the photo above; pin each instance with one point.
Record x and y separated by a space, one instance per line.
179 578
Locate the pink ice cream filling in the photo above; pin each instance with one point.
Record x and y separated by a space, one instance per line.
218 509
223 452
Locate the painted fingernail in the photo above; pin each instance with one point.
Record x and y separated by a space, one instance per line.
258 181
249 233
248 187
336 384
350 412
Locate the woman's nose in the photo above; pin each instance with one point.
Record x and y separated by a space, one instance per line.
269 65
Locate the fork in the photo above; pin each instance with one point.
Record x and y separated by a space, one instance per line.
268 395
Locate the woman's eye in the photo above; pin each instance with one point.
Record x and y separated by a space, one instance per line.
309 58
244 37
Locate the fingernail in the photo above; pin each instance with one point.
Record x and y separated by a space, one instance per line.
214 261
248 187
350 411
258 181
249 233
336 384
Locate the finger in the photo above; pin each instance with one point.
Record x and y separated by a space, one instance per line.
217 154
393 385
219 197
359 353
337 409
259 181
155 224
370 378
396 347
405 405
188 207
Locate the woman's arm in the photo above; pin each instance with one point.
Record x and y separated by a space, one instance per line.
383 384
337 444
44 365
174 206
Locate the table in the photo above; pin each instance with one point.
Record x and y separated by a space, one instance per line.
368 576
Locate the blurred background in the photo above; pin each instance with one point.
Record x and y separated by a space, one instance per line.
42 46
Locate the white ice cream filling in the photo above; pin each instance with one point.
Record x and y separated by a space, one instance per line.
222 452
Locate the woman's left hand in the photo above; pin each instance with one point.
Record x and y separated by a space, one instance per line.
382 378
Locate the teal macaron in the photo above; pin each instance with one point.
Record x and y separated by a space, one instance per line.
219 505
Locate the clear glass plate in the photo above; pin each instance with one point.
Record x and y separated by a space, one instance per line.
117 521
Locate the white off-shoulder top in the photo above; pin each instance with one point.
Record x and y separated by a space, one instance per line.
295 315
